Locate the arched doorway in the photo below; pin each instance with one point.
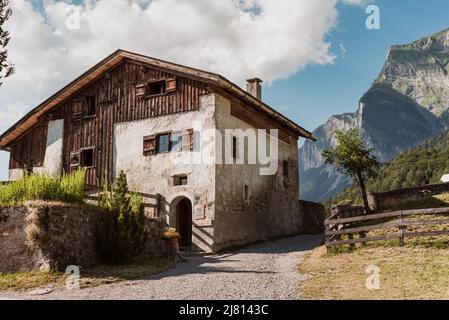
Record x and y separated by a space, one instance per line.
184 222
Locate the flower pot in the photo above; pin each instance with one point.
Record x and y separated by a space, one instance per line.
172 241
172 248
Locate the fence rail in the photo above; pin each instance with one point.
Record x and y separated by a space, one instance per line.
150 201
337 227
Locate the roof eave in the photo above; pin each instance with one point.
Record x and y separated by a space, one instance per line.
31 117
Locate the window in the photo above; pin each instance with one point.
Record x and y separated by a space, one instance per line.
155 88
163 143
285 169
168 142
87 158
75 159
180 180
91 107
141 90
286 181
188 139
176 141
77 110
171 85
149 145
234 147
83 158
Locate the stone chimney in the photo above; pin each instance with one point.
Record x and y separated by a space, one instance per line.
254 87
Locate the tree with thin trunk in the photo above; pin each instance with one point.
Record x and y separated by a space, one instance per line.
6 69
353 158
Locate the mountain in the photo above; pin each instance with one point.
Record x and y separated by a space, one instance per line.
423 165
406 105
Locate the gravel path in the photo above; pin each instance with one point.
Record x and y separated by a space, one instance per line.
265 271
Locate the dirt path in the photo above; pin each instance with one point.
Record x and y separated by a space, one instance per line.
265 271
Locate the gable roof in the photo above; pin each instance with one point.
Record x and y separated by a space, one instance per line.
32 117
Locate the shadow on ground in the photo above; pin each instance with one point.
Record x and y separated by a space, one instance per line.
217 263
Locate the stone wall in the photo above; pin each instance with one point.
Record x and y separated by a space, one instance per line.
155 174
52 236
385 200
271 208
15 254
313 215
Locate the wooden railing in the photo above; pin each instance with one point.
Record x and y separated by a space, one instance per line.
338 227
151 202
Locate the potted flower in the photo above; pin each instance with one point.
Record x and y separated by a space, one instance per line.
171 236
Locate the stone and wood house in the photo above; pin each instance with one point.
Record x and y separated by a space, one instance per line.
138 114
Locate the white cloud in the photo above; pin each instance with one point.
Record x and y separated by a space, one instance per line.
236 38
356 2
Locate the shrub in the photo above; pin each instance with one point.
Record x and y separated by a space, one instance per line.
122 237
69 188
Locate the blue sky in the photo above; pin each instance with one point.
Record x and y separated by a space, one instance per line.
314 93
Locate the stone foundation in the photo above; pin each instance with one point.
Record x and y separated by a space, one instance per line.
51 236
313 215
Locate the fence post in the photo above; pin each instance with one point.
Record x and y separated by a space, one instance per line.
351 237
158 204
401 230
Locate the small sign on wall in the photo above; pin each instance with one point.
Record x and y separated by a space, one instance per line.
200 212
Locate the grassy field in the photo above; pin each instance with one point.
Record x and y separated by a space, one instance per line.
411 273
29 280
90 277
419 270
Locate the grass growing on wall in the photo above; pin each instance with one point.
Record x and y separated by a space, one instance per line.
69 188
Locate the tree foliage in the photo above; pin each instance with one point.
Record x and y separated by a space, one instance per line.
124 234
352 158
419 166
6 69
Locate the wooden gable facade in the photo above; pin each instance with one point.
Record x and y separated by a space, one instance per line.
127 86
124 93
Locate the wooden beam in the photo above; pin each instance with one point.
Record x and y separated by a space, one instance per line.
444 210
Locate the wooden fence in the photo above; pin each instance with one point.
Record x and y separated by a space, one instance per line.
151 202
337 227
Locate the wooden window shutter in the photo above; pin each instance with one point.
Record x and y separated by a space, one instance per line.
170 85
149 145
188 140
141 90
75 160
77 110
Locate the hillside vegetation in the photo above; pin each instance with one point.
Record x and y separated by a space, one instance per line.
419 166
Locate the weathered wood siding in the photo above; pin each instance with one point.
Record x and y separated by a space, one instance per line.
29 150
116 101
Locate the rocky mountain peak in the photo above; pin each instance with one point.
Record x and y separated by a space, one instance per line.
407 104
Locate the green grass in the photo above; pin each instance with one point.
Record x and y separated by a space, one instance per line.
411 273
69 188
28 280
90 277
